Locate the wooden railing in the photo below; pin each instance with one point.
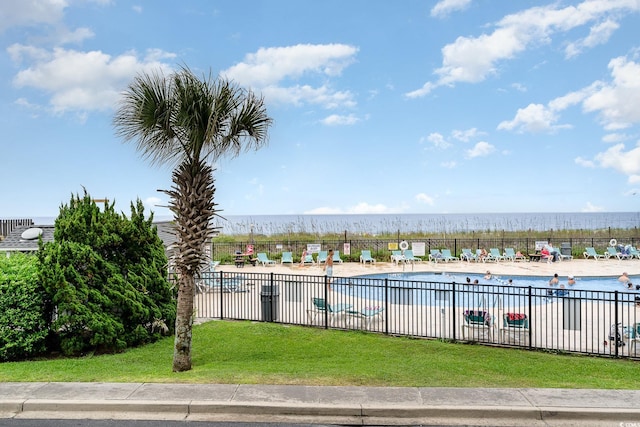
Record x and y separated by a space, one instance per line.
7 225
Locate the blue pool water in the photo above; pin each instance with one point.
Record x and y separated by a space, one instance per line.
600 283
435 288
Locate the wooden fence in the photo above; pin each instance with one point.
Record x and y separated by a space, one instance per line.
7 225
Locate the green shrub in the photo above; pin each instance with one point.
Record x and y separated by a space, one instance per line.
24 310
106 276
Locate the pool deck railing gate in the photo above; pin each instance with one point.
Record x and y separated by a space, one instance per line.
565 320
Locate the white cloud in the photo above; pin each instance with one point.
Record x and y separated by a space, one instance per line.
81 81
30 12
519 87
424 199
466 135
337 120
584 162
152 202
618 102
615 137
634 179
273 71
438 141
473 59
592 208
533 118
481 149
360 208
626 162
445 7
599 34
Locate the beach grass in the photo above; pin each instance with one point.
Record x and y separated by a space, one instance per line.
243 352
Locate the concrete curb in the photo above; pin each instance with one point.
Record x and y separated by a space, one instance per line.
316 413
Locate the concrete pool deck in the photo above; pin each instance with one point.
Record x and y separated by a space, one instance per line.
575 267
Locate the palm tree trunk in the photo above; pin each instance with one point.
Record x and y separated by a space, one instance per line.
184 323
193 206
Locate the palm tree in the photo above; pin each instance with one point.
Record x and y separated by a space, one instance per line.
189 123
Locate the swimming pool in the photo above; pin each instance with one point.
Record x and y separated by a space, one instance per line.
597 283
426 288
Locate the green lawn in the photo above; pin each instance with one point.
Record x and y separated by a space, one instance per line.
252 353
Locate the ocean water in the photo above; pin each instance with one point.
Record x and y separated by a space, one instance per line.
376 224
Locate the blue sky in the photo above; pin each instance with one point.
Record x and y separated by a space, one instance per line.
448 106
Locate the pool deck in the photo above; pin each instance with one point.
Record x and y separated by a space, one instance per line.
575 267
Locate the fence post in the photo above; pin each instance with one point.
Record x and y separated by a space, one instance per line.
221 295
453 311
386 306
615 334
530 319
326 302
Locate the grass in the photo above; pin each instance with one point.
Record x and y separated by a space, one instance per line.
263 353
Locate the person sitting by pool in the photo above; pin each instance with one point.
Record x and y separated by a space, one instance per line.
624 278
554 280
545 254
571 280
483 254
487 276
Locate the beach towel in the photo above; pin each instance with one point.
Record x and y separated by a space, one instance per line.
516 316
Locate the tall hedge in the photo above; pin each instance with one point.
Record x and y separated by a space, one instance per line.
106 275
24 324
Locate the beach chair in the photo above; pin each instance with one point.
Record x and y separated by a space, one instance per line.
262 259
475 323
510 254
336 257
515 329
322 257
320 307
287 258
308 259
632 335
562 257
447 256
494 255
613 253
397 257
409 257
468 256
365 317
365 257
435 255
635 253
591 253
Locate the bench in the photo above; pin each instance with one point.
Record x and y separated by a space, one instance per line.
535 257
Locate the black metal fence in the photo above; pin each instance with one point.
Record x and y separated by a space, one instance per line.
603 323
380 247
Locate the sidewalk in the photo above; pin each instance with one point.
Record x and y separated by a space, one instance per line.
326 405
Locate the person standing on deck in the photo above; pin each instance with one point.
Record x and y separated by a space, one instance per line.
328 267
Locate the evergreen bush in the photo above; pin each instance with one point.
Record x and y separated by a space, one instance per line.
24 317
106 276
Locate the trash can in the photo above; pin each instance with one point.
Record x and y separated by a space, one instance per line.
565 249
270 299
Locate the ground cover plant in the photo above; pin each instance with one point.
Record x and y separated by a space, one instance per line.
265 353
